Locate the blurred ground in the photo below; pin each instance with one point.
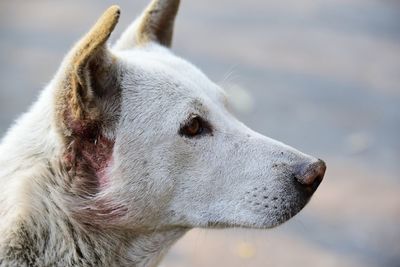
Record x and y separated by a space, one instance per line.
323 76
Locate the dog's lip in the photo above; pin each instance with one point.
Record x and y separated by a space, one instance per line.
260 226
223 225
262 223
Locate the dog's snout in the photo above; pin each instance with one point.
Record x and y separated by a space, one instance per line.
311 175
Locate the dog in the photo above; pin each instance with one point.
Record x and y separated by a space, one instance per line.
128 148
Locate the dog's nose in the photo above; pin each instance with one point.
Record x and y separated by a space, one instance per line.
311 175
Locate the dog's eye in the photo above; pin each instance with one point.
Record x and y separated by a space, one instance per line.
194 127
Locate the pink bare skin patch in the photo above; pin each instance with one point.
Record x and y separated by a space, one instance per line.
91 159
88 158
98 154
87 148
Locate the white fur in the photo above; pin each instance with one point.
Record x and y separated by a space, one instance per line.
167 183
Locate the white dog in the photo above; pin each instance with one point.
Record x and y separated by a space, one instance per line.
128 148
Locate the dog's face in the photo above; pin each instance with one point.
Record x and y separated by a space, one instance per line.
179 158
178 146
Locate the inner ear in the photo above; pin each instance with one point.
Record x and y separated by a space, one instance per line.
91 97
90 81
102 74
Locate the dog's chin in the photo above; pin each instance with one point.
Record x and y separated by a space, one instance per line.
268 220
284 214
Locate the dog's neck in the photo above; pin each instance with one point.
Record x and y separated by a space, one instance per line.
57 241
147 250
36 228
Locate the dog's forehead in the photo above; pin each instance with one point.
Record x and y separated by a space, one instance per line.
159 65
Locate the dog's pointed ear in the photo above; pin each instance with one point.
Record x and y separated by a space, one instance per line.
90 71
156 24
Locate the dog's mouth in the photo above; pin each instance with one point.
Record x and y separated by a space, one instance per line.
266 210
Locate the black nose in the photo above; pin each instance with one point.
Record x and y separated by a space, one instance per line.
311 175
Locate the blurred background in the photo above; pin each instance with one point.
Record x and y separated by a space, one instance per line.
322 76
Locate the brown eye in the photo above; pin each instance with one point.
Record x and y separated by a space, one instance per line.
194 127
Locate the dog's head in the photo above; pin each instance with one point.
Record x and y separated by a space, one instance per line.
150 142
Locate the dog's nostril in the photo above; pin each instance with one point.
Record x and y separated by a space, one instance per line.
316 182
311 175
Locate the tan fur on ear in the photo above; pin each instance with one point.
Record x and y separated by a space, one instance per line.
157 22
87 49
